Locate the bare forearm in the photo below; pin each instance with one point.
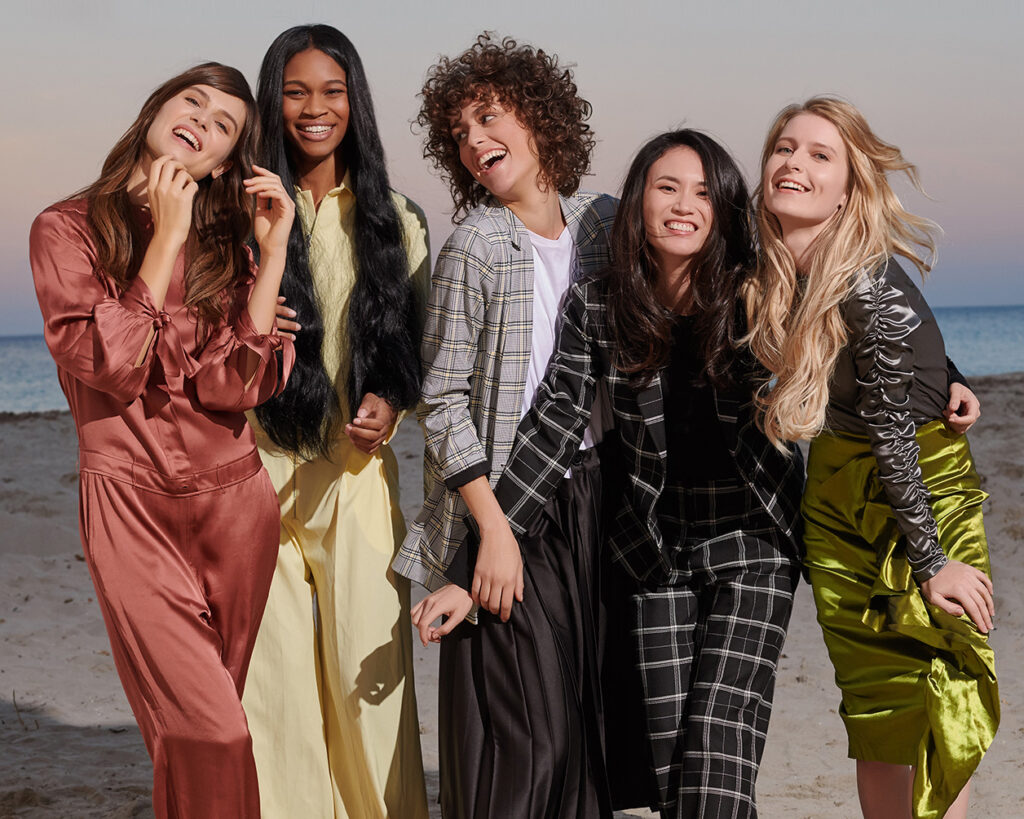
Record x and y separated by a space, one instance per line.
482 505
263 298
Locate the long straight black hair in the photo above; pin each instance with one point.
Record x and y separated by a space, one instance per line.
382 315
640 324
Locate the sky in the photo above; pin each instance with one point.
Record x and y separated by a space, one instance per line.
943 81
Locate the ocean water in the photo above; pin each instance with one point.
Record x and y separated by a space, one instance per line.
981 340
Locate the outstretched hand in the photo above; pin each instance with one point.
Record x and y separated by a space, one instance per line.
960 589
449 601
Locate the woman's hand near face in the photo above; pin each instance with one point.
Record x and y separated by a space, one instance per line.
275 211
171 191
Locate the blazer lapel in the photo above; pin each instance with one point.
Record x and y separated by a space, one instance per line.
652 410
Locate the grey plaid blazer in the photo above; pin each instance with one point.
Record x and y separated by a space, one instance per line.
476 351
550 434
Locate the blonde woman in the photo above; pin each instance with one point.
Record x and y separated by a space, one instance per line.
895 543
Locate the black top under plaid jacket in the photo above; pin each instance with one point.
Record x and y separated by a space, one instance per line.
549 435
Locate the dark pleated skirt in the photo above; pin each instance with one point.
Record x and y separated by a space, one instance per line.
520 711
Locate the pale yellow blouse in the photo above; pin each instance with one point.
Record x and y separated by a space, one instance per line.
332 260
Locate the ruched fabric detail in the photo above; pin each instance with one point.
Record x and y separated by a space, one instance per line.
880 320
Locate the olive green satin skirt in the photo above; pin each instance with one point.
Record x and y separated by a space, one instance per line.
918 685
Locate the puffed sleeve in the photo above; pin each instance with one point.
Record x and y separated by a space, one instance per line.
104 338
451 332
880 320
226 379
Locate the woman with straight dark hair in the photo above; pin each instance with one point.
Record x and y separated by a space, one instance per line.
163 333
331 701
705 516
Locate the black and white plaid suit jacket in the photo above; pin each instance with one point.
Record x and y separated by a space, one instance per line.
549 436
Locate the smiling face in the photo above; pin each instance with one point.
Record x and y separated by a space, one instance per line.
497 150
199 127
677 210
807 175
315 105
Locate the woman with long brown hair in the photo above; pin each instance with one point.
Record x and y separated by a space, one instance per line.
162 328
895 544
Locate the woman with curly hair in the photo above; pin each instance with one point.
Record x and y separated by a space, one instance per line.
330 700
705 520
895 543
162 328
518 732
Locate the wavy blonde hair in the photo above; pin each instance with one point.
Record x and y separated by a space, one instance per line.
796 329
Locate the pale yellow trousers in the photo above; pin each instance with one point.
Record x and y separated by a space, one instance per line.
330 697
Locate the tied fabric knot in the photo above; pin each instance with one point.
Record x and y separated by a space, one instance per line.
170 349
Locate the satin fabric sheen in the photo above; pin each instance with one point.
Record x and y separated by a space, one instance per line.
919 686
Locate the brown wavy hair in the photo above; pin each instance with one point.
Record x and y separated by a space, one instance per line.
531 83
221 211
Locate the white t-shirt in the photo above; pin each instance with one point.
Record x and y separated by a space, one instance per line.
555 267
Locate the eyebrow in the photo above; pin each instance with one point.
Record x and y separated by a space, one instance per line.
670 178
333 81
220 111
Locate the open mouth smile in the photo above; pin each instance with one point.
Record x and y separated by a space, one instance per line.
790 185
681 227
489 160
315 130
190 138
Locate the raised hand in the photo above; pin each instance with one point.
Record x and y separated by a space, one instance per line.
275 211
171 190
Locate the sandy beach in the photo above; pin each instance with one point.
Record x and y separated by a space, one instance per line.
70 747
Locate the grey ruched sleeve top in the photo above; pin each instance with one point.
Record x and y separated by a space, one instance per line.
893 376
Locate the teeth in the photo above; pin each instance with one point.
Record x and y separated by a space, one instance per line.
495 154
315 129
684 227
793 186
188 136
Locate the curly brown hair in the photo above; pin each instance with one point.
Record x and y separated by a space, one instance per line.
529 82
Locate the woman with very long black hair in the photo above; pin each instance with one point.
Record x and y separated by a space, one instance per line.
330 700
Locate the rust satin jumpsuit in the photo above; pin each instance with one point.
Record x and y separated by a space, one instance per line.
179 521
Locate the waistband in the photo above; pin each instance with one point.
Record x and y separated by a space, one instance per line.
146 477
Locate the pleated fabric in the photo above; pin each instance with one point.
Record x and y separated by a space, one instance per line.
519 706
918 685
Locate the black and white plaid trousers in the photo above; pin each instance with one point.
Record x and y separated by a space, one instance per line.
708 640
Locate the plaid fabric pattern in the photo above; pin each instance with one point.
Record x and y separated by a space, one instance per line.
550 433
708 647
476 351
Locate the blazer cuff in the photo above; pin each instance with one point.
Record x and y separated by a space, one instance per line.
470 473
